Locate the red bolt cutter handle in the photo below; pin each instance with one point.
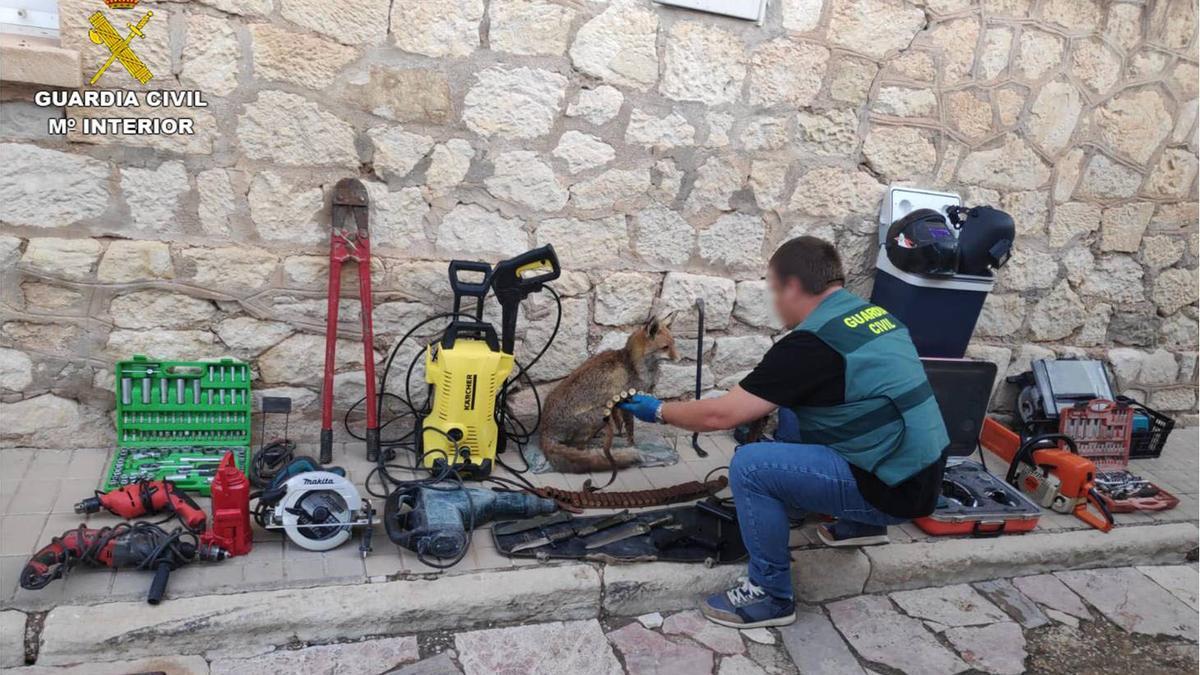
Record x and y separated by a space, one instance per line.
350 203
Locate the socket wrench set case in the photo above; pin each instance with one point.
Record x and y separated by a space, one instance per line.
973 501
177 419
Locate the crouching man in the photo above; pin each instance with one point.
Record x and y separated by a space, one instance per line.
860 436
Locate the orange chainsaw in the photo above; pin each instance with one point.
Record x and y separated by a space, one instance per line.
1054 478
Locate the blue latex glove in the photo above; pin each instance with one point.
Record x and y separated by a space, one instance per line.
643 406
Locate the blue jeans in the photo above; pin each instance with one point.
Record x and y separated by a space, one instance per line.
769 479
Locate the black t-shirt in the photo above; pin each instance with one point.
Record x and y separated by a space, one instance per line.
801 370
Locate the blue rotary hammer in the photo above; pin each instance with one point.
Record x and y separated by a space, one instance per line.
434 520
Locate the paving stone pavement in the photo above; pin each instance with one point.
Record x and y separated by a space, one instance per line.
882 634
38 489
1133 601
1180 580
1007 597
560 647
958 605
1049 591
1003 627
996 648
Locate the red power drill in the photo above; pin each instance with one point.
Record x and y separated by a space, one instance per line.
146 497
139 545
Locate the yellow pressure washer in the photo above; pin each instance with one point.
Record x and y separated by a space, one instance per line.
466 369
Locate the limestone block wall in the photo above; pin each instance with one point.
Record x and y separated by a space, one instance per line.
664 152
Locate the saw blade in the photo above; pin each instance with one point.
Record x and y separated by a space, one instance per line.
318 520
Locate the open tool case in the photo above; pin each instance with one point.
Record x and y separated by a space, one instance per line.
177 419
693 535
973 501
1103 432
1074 397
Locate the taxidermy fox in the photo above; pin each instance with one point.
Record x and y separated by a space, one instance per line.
574 411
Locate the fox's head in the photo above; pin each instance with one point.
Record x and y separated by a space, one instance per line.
653 338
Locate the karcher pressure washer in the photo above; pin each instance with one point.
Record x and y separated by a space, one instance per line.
466 369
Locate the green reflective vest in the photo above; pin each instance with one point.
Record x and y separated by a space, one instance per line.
890 423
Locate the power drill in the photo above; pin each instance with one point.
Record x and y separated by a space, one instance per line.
434 520
146 497
139 545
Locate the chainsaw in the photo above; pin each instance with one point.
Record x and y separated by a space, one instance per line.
1059 479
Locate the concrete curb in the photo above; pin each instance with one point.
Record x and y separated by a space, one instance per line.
920 565
254 621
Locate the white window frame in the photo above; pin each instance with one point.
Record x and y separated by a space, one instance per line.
33 18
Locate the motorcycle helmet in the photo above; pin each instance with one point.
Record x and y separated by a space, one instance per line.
985 238
923 243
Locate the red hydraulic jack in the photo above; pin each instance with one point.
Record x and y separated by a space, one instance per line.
349 240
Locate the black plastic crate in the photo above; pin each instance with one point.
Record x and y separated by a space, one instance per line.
1149 443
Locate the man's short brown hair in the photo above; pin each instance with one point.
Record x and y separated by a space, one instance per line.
814 262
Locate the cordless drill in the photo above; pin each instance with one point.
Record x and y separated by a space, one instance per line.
434 520
146 497
139 545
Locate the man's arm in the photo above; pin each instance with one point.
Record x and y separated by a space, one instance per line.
712 414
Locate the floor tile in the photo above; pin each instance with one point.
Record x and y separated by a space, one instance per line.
49 464
35 496
21 533
70 492
88 464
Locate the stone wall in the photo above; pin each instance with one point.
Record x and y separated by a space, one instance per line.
664 152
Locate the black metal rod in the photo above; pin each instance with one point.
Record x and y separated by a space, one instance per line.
700 452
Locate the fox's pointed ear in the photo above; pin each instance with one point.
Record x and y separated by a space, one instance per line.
670 319
652 326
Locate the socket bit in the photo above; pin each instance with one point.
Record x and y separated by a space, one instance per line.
126 390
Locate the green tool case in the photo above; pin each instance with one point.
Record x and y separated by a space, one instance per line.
177 419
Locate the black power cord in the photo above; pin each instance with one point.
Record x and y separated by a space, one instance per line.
269 460
446 476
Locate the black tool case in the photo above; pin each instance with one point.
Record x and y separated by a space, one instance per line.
690 525
973 501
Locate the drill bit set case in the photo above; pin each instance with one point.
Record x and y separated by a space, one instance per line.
176 419
973 501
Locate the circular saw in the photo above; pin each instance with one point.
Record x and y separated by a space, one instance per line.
319 509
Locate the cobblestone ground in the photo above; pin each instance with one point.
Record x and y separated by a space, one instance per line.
1117 620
